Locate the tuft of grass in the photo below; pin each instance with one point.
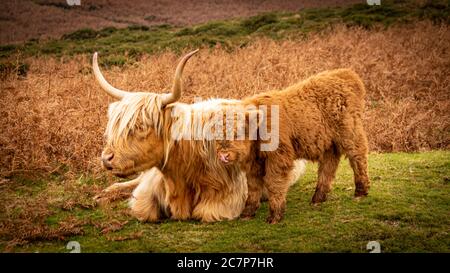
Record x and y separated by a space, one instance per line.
7 50
229 33
406 211
437 11
8 68
114 60
82 34
138 28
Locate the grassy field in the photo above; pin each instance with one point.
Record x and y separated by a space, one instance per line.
407 210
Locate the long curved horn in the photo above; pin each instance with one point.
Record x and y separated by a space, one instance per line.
177 86
112 91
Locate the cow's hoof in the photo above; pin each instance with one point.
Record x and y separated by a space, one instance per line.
249 212
101 199
361 190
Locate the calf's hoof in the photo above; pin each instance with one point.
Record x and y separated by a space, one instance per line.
274 218
318 197
361 189
247 215
249 212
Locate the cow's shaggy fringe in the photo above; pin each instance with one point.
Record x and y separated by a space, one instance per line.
133 111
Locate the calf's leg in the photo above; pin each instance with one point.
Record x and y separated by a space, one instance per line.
255 188
356 149
328 165
277 181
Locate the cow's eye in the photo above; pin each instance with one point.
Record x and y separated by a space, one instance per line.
139 128
143 134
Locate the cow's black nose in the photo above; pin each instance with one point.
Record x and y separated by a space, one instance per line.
106 160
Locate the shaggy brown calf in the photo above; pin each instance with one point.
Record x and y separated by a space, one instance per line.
319 119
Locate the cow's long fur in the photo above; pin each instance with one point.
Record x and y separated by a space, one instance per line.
151 200
195 184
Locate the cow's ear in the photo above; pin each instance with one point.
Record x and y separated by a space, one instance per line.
253 120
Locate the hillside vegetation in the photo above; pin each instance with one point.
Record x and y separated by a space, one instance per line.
126 45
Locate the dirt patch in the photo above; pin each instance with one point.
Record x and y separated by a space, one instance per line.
21 20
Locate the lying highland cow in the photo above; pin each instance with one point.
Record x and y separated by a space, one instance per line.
318 119
182 177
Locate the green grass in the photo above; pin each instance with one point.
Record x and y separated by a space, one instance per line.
122 46
407 210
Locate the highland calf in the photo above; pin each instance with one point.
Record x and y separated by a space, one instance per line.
320 119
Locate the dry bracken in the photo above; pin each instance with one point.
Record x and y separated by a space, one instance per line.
56 116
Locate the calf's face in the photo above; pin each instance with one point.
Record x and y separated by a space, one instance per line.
237 150
231 152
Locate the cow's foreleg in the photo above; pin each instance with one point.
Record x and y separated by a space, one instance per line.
149 200
123 187
129 185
